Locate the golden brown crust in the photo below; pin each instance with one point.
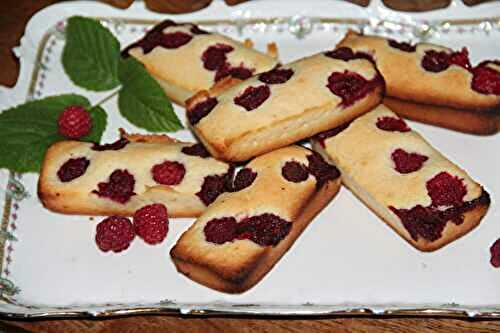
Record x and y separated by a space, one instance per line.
467 121
237 265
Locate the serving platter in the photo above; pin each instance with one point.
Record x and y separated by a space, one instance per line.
346 262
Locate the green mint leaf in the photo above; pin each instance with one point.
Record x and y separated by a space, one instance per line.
91 54
27 130
142 101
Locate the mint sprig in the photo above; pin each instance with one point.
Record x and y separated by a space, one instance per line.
91 58
142 101
91 54
26 131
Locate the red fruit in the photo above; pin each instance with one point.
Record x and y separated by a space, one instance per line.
322 171
265 229
220 230
243 179
197 30
495 254
74 122
460 58
214 57
213 186
117 145
350 86
403 46
253 97
119 188
346 54
240 72
201 110
435 61
392 124
151 223
294 172
407 162
72 168
276 75
152 39
196 150
114 233
168 173
486 80
175 40
446 190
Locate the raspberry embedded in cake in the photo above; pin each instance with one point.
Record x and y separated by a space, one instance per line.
486 80
117 145
196 30
215 185
350 86
294 172
438 61
72 169
220 230
174 40
114 233
446 190
403 46
244 179
405 162
214 57
346 53
196 150
322 171
495 254
168 173
119 187
151 223
392 124
201 109
277 75
253 97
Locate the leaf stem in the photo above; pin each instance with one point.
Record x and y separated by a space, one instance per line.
107 98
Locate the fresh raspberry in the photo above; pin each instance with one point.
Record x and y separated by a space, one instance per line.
446 190
486 80
265 229
322 171
151 223
201 110
117 145
214 57
392 124
253 97
74 122
403 46
220 230
495 254
72 168
294 172
346 54
114 233
168 173
243 179
276 75
407 162
119 188
196 150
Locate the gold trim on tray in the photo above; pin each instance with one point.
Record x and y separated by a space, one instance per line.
110 310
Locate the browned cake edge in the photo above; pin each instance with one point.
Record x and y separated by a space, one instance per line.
259 267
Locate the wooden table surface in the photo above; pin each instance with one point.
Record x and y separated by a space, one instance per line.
14 15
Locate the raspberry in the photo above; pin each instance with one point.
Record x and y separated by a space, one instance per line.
253 97
495 254
351 86
201 110
214 57
407 162
151 223
486 80
215 185
196 30
119 188
460 58
72 168
434 61
265 229
294 172
346 54
175 40
240 72
243 179
392 124
117 145
446 190
403 46
196 150
276 76
322 171
168 173
74 122
114 233
220 230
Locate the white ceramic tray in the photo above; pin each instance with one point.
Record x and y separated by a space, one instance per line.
346 262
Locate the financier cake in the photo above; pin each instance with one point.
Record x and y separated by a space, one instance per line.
185 59
418 192
431 83
240 237
137 170
284 105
